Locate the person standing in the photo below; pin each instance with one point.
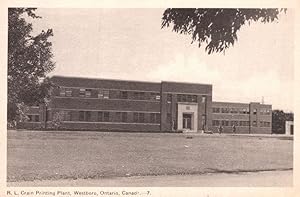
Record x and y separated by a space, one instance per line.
220 129
233 129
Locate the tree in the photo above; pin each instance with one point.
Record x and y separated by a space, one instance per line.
278 121
29 61
216 27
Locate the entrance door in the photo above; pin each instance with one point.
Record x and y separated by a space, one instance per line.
187 121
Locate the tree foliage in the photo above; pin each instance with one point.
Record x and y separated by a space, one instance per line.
216 27
29 61
278 121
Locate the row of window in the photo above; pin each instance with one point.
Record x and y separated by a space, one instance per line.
106 116
108 94
239 123
231 110
230 123
116 94
240 111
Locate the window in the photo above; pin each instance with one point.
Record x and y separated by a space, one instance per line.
81 116
135 117
124 95
216 123
139 95
194 98
141 117
103 116
121 117
82 92
106 94
225 110
216 110
261 124
254 123
33 118
124 116
203 100
155 96
118 116
234 111
62 91
100 116
254 111
232 122
169 98
88 93
223 122
247 111
103 94
138 117
142 95
68 92
155 117
106 116
85 116
186 98
67 116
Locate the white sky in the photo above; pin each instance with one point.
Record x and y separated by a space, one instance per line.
130 44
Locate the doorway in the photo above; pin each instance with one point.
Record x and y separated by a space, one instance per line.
187 121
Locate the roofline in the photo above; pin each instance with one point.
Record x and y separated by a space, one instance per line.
106 79
188 83
240 103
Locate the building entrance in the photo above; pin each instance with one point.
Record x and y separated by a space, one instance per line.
187 121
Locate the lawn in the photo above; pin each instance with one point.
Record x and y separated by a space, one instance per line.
36 155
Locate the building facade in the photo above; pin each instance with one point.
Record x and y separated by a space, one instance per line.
119 105
246 118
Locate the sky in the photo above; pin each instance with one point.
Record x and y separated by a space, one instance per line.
129 44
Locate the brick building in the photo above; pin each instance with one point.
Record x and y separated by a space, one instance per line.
117 105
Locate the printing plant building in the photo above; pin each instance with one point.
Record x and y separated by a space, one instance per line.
116 105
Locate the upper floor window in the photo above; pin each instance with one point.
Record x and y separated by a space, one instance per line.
186 98
216 110
194 98
85 92
62 91
169 98
103 94
82 92
225 110
254 111
234 110
139 95
203 100
68 92
124 95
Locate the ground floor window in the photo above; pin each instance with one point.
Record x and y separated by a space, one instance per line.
85 116
33 118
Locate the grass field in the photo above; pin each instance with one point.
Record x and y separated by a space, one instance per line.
36 155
